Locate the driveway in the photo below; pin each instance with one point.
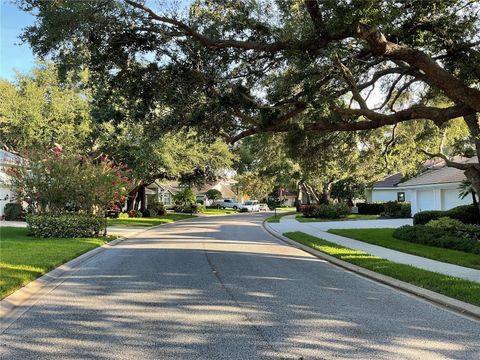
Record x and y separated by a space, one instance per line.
222 288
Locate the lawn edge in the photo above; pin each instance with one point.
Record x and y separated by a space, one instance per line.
436 298
17 303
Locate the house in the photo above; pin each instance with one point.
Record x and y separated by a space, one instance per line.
7 159
436 188
286 197
164 191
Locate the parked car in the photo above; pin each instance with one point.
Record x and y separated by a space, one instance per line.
263 207
251 206
228 203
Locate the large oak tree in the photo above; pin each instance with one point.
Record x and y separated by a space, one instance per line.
240 67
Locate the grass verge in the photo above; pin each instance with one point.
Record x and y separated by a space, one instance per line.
384 237
151 221
24 258
300 218
276 219
460 289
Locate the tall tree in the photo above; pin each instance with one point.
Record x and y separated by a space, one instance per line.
243 67
40 109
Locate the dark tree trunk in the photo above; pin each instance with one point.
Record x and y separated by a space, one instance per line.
131 199
141 203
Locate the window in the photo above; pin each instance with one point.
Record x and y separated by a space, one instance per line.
401 196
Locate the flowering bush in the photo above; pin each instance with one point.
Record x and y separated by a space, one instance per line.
59 182
65 225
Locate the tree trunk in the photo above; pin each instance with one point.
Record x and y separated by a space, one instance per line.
141 199
325 196
132 195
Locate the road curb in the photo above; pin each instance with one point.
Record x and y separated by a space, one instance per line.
439 299
17 303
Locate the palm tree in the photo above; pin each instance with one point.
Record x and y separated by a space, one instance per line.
466 189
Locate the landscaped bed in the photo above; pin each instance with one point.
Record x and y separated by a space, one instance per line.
24 258
149 221
384 237
460 289
345 218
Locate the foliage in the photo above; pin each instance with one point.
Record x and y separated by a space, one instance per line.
397 209
465 213
185 197
40 110
123 216
13 211
65 225
135 214
255 184
371 208
384 237
442 234
326 211
58 181
213 194
25 258
464 290
349 217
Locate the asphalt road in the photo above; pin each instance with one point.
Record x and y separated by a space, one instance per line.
222 288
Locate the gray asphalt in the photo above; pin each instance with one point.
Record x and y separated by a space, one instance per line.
222 288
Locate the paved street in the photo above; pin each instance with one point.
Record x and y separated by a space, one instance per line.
222 288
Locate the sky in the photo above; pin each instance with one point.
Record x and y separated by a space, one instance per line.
13 54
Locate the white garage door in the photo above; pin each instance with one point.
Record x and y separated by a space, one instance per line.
450 199
425 200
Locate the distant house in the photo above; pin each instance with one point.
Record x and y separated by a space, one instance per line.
286 197
7 159
164 191
437 188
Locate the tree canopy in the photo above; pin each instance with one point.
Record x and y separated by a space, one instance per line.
238 68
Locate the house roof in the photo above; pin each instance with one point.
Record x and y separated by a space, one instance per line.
442 175
389 181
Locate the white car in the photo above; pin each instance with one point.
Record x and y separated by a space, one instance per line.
251 206
228 203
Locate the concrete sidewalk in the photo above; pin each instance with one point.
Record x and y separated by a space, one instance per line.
288 224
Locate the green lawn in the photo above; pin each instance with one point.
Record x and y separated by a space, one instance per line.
152 221
24 258
287 208
460 289
383 237
348 217
276 219
218 211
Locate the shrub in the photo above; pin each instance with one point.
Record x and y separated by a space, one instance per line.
439 235
456 227
135 214
149 213
123 216
397 209
371 208
326 211
65 226
200 201
13 211
465 213
161 210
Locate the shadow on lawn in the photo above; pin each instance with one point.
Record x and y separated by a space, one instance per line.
225 289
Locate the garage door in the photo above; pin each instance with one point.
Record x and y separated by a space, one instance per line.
425 200
450 199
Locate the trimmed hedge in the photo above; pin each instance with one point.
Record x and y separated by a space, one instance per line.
444 232
465 213
326 211
371 208
65 225
393 209
13 211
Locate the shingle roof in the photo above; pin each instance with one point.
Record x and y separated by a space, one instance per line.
389 181
438 176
